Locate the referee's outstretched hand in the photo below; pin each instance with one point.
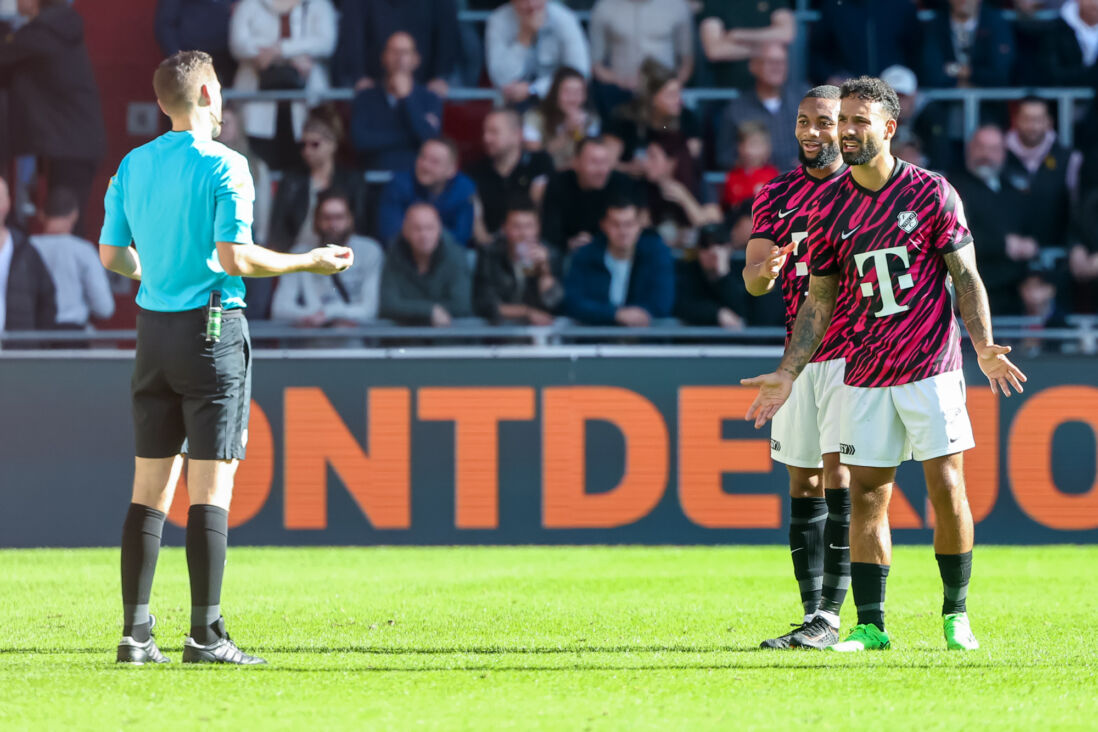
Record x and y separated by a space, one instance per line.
330 260
774 390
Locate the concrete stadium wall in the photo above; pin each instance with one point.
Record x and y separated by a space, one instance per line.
516 451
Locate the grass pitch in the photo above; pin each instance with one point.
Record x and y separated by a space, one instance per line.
546 638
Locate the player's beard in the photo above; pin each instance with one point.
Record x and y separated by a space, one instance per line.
869 150
824 158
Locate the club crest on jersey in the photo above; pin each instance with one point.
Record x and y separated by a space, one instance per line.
907 220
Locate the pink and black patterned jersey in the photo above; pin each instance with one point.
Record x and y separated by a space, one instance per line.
888 248
780 214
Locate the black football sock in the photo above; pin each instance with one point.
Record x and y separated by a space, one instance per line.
836 566
141 533
956 570
867 582
207 541
806 537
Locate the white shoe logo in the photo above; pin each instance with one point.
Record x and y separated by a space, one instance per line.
783 214
848 234
838 547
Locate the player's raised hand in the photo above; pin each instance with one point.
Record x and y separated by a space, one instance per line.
774 390
331 259
772 267
999 370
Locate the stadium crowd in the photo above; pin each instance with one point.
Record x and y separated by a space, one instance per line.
582 193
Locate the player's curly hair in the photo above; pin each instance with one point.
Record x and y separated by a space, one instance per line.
872 89
824 91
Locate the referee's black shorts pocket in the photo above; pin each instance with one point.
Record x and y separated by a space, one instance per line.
215 393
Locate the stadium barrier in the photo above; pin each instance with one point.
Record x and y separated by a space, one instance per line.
558 445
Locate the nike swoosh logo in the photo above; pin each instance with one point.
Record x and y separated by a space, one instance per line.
838 547
783 214
848 234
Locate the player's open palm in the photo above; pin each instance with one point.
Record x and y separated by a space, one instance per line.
331 259
774 390
999 370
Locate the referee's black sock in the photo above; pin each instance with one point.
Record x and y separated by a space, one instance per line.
141 533
867 582
207 540
806 546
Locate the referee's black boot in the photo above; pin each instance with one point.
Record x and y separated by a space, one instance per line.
222 650
139 653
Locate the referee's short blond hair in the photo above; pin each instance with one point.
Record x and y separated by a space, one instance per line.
179 78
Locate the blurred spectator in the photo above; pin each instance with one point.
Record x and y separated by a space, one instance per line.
562 119
1037 292
515 275
526 42
732 31
1083 257
197 25
657 115
232 135
282 45
674 209
708 291
391 120
28 299
1071 46
772 102
348 298
575 200
971 46
994 212
921 127
53 100
753 168
426 279
79 279
435 180
1039 167
295 201
624 276
626 32
856 37
504 171
366 26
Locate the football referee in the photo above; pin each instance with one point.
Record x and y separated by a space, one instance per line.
185 203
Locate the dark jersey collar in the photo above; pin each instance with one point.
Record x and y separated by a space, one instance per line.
898 171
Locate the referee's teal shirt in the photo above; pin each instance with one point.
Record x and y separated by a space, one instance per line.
175 198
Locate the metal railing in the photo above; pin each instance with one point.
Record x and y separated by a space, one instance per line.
1080 335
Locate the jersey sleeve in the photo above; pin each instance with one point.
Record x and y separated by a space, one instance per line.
116 227
823 255
762 215
951 228
234 197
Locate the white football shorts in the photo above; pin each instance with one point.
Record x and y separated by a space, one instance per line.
807 425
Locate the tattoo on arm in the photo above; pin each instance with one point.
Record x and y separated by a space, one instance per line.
971 294
813 317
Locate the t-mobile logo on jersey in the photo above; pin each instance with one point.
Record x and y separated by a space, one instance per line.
884 278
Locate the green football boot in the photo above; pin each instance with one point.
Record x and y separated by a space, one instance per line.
958 633
867 637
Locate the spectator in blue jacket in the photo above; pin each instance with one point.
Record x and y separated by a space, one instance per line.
624 276
390 121
197 25
856 37
435 179
365 26
971 45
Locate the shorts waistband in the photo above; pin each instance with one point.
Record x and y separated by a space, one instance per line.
186 314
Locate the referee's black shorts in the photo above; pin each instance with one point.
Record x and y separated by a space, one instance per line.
190 396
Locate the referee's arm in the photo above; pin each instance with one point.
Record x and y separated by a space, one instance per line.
252 260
